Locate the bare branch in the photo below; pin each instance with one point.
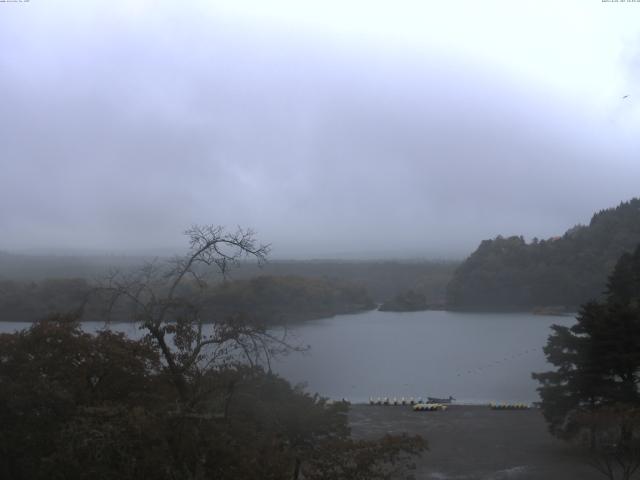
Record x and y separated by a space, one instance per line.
168 306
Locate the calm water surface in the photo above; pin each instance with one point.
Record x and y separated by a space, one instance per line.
476 357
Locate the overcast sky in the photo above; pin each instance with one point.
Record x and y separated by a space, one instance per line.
333 128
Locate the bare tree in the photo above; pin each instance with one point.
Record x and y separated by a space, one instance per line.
168 299
615 448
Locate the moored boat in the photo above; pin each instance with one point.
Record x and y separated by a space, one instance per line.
440 400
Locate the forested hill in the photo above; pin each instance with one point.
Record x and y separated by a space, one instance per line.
508 273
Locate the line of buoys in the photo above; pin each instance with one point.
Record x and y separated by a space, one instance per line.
395 401
509 406
488 366
429 407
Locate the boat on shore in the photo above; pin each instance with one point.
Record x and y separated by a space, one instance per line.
440 400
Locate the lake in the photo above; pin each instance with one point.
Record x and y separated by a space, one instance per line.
476 357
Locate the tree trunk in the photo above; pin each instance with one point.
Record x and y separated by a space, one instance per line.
296 469
626 436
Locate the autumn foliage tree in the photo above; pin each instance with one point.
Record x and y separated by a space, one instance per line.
194 398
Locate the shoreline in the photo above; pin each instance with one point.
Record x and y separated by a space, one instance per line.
477 443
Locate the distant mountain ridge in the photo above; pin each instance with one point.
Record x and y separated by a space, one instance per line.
509 273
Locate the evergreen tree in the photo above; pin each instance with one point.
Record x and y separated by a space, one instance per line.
597 360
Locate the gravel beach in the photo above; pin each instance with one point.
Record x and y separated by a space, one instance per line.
475 442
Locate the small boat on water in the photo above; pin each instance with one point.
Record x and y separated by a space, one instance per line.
440 400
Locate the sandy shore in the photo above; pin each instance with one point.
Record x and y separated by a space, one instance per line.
475 442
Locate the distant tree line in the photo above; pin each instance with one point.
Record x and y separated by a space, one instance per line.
312 290
22 301
284 299
267 299
408 301
383 279
509 273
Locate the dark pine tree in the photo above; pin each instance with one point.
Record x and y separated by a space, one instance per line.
597 360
